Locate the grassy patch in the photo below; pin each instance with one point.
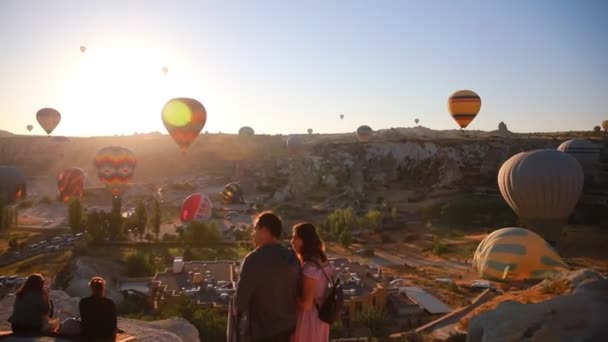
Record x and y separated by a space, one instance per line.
48 264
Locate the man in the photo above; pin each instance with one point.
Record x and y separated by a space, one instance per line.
98 314
268 285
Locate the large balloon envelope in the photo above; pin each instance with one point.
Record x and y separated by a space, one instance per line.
516 254
29 128
233 194
587 153
12 184
184 119
70 183
294 144
542 187
246 131
196 207
464 105
364 133
115 168
48 118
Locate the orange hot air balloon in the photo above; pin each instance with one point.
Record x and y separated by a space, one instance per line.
70 183
115 168
464 105
184 119
48 118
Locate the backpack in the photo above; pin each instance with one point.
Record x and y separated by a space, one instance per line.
329 311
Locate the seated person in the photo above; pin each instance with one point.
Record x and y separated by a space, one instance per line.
97 314
32 307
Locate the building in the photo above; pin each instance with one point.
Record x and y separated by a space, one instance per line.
411 307
209 283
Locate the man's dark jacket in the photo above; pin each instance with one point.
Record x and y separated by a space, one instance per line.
267 290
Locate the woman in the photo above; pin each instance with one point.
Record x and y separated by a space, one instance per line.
32 307
316 271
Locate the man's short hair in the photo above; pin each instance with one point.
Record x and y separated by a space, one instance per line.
270 221
97 283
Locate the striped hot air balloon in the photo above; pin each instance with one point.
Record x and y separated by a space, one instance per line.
232 194
70 183
184 119
516 254
464 105
196 207
48 118
115 168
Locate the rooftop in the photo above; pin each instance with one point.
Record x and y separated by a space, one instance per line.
424 299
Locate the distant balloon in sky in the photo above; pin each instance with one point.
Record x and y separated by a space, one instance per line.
115 168
341 116
184 119
196 207
70 183
542 187
83 48
246 131
165 70
309 131
48 118
464 105
29 128
364 133
416 121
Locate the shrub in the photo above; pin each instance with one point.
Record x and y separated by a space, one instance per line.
138 265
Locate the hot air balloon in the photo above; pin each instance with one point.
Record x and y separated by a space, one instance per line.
588 155
364 133
83 49
115 168
464 105
70 183
605 125
542 187
196 207
184 119
165 70
416 121
309 131
48 118
246 131
597 129
12 184
232 194
516 254
341 116
29 128
294 144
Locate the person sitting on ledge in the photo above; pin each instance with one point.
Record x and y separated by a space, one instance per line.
32 308
97 314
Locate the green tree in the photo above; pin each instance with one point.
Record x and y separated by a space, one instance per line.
346 238
13 242
394 213
341 219
75 216
156 217
138 265
141 215
95 226
203 233
376 321
373 219
114 222
7 220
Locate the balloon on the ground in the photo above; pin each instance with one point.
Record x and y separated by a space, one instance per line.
48 118
605 125
246 131
542 187
232 194
12 184
184 119
364 133
29 128
70 183
309 131
587 153
83 48
115 168
196 207
516 254
294 144
464 105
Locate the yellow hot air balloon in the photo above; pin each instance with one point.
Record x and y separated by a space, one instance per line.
542 187
184 119
516 254
48 118
464 105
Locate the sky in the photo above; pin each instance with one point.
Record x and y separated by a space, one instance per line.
283 66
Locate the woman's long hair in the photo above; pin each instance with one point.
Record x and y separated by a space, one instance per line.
34 283
312 246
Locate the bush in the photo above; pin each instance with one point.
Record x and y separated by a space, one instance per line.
75 216
373 219
439 248
346 238
138 265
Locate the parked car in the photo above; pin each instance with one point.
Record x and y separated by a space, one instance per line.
2 279
482 285
12 280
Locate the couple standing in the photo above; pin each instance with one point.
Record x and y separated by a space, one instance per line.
281 289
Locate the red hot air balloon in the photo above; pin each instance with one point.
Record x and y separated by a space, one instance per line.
48 118
184 119
70 183
196 207
115 168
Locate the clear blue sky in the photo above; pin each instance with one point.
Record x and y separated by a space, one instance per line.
284 66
